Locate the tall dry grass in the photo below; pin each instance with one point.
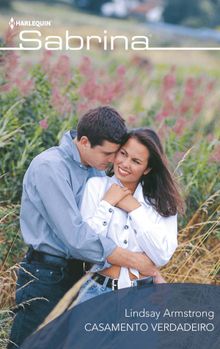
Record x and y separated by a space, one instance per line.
197 258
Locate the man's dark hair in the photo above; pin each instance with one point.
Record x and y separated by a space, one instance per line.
102 124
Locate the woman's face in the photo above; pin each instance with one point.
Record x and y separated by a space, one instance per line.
131 163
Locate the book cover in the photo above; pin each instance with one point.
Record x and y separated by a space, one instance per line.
157 64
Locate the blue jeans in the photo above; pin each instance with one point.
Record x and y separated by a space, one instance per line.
39 288
91 289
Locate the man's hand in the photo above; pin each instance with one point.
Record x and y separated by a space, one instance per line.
148 269
136 260
128 203
158 278
144 264
116 194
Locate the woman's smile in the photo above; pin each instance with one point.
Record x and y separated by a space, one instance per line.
123 172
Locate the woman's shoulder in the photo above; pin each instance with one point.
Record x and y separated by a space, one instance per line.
96 180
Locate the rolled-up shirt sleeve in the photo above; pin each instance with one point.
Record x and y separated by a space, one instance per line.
157 237
61 213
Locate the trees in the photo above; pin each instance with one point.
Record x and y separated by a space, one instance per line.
5 3
195 13
90 5
176 11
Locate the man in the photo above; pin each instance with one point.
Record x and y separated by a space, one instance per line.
51 223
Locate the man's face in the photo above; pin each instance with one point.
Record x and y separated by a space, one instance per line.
100 156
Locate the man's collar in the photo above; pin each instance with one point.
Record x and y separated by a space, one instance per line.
70 148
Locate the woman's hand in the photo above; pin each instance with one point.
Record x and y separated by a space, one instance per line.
128 203
116 194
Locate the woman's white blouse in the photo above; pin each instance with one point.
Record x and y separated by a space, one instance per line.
140 230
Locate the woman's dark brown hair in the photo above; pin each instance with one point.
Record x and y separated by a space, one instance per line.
159 186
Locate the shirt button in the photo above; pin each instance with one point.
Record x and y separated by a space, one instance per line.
110 210
126 226
125 242
104 223
135 231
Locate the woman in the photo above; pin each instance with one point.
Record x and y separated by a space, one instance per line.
136 208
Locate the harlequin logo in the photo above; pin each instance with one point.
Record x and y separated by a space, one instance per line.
27 23
31 39
12 23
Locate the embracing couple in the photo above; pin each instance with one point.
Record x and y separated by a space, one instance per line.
73 214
